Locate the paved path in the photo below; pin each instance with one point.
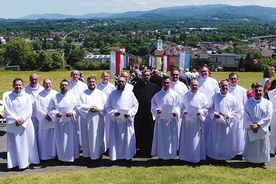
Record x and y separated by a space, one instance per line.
81 163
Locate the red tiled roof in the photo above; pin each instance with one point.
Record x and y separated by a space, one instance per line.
159 53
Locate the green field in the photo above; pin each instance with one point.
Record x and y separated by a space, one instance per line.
6 77
164 174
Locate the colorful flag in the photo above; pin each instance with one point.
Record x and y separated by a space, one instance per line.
166 63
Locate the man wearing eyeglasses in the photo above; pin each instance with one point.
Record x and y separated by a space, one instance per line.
240 94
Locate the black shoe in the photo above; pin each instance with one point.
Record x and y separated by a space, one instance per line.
272 155
237 157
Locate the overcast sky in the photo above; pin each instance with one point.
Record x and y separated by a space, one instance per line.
21 8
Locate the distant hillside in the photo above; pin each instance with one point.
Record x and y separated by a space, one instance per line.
62 16
194 12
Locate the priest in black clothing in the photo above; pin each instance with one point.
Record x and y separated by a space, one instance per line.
143 122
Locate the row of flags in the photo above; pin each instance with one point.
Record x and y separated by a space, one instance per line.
119 61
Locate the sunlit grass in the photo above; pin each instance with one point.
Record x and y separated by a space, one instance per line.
6 77
164 174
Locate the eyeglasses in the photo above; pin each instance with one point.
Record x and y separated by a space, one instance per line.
204 70
175 74
234 78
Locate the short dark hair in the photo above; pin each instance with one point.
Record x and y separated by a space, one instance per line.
91 77
17 79
64 80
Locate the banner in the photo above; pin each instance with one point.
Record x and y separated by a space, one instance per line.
158 63
122 61
166 63
112 63
153 62
118 62
184 60
127 61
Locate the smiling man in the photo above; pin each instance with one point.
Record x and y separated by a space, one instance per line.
92 120
21 143
220 141
258 113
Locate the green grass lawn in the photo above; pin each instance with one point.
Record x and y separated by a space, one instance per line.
164 174
6 77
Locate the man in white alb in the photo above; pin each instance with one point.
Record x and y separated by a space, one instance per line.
46 144
121 107
92 120
165 108
62 110
21 142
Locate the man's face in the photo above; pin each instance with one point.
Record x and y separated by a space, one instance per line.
64 86
223 87
125 75
146 76
194 86
91 84
18 86
47 84
105 78
233 80
121 83
258 92
204 72
75 75
166 84
175 75
34 80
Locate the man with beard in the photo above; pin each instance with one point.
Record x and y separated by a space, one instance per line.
121 107
165 108
221 143
258 113
62 110
143 122
92 120
195 108
21 143
46 145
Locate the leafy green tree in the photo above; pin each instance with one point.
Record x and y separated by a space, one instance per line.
30 63
37 44
264 62
58 61
16 51
44 61
238 49
76 55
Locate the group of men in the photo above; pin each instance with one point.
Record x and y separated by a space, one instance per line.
205 118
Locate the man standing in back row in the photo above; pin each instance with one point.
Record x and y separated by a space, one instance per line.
76 87
240 94
143 122
33 89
